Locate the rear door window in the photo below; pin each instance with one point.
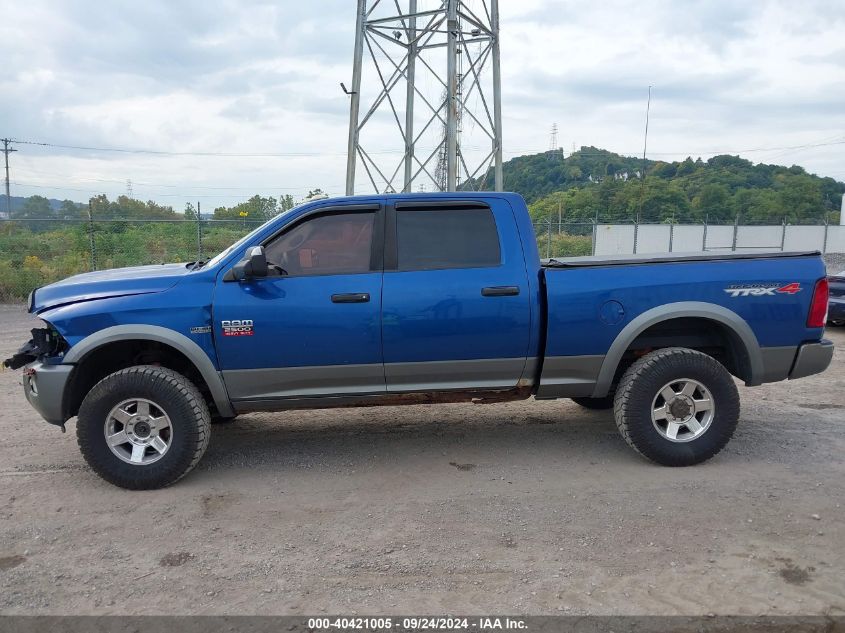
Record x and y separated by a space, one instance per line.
438 238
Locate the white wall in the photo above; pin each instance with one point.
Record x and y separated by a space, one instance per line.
653 238
836 239
612 239
618 239
804 238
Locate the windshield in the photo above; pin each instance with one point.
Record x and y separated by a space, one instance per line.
239 244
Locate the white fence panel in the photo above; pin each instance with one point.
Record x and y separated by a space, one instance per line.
618 239
835 239
804 238
614 239
688 238
762 237
653 238
719 237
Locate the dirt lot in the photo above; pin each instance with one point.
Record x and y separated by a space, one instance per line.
519 508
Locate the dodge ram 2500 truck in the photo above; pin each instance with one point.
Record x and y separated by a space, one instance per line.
408 299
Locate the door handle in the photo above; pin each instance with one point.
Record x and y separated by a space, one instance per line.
351 297
500 291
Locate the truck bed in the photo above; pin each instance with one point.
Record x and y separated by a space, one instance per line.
596 307
666 258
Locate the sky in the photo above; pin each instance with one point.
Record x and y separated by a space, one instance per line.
259 82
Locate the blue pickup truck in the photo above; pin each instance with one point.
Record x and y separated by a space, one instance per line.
414 299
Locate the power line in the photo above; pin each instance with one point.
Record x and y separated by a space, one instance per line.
511 150
94 190
157 152
188 186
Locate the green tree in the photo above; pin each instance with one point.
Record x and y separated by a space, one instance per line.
286 203
256 208
713 203
35 207
71 210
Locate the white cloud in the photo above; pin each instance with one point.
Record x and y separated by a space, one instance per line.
263 77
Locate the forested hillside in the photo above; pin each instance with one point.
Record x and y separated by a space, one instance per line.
594 181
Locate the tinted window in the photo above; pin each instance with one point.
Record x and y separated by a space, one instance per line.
446 238
325 245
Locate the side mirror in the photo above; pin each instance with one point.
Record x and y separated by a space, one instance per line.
252 266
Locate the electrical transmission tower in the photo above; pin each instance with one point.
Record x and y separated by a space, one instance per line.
411 49
6 151
555 151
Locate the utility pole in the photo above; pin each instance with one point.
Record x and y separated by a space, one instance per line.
409 95
559 217
402 43
645 148
6 151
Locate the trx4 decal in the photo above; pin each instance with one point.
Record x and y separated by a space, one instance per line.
758 290
237 327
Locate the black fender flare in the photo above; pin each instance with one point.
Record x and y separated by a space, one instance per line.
699 309
180 342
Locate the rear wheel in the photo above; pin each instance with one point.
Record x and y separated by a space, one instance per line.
142 428
677 406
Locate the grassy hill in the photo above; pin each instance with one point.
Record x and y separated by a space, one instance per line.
594 181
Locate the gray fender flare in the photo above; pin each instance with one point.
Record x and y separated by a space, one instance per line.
174 339
711 311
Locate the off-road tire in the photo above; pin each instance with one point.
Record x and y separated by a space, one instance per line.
598 404
641 383
181 401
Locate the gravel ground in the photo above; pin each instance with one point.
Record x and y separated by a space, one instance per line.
529 507
835 262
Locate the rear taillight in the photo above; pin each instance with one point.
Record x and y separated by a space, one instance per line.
818 308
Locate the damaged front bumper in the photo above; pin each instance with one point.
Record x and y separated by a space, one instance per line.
44 388
44 375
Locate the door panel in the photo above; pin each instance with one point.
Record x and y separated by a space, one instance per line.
302 342
441 330
312 333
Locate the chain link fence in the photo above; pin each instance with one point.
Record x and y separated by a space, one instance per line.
38 252
35 252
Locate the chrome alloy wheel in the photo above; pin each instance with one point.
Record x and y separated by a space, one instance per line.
682 410
138 431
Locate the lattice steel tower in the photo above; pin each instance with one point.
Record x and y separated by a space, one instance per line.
441 119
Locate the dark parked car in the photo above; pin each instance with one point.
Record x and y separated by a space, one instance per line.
836 307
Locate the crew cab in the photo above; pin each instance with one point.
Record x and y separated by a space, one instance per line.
414 298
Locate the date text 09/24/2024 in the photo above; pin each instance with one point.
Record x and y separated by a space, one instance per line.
418 623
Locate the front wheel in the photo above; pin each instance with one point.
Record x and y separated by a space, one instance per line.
144 427
677 406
